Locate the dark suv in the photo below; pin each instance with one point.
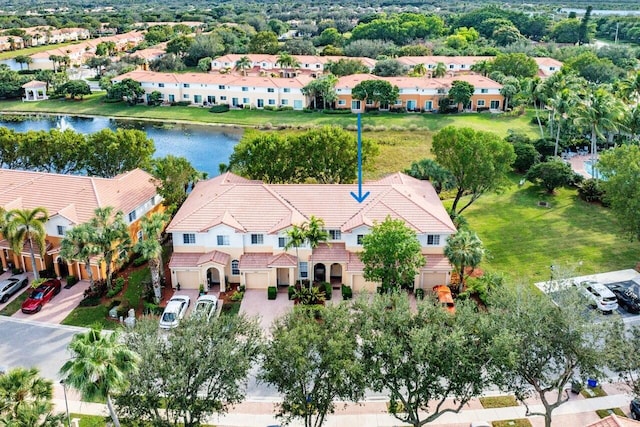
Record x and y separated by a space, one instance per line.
627 299
634 407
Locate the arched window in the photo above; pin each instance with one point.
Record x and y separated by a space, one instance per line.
235 267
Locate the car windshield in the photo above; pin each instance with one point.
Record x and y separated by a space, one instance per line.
609 299
202 307
169 317
37 295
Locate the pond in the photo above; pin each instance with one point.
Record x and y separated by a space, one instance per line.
204 146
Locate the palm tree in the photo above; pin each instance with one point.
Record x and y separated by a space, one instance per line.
99 366
315 235
562 103
27 226
25 399
79 245
535 94
440 70
112 238
482 67
54 59
419 70
296 238
630 88
286 61
243 64
510 88
464 249
599 112
150 248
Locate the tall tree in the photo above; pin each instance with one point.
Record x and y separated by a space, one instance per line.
112 239
599 112
391 254
243 64
621 167
464 249
461 92
314 235
421 357
27 226
312 364
429 169
296 237
99 366
79 245
25 399
377 92
175 177
440 70
195 370
112 153
562 104
541 345
150 248
534 92
478 160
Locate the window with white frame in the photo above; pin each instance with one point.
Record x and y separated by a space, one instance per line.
286 90
282 241
484 90
235 267
257 239
284 101
185 85
270 90
160 84
223 98
245 100
132 216
335 234
433 239
221 87
62 230
342 102
304 269
480 102
185 96
189 238
223 240
140 235
245 89
359 238
272 102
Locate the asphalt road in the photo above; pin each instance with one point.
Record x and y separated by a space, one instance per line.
29 344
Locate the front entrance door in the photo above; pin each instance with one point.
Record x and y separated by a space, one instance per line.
63 268
320 273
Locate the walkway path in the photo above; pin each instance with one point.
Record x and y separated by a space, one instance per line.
577 412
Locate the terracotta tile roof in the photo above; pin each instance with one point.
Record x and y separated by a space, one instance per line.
184 260
615 421
282 260
4 244
269 208
334 252
437 262
256 260
215 79
349 82
74 197
354 263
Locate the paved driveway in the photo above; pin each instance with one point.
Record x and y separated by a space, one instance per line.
56 310
255 303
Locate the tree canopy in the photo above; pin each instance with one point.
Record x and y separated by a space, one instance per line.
377 92
479 161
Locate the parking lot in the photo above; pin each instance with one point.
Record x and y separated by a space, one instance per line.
626 279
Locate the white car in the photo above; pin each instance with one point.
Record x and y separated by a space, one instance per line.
174 311
11 286
599 296
206 307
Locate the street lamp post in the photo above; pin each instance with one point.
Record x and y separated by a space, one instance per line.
66 403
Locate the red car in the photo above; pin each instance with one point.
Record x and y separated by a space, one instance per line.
41 295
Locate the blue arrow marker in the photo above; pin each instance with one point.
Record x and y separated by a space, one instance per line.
359 197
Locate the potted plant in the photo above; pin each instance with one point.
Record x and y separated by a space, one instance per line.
201 289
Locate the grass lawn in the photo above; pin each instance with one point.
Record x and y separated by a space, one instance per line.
498 401
93 105
230 308
134 290
15 305
32 50
603 413
524 239
88 316
90 420
520 422
589 392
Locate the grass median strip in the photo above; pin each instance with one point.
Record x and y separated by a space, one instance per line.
14 306
498 401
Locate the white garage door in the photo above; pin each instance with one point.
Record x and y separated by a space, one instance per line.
431 279
256 280
361 285
187 279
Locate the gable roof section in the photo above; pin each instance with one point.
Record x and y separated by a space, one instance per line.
74 197
615 421
269 208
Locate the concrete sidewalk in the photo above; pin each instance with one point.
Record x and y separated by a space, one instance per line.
577 412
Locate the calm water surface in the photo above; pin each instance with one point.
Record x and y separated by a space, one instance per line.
204 146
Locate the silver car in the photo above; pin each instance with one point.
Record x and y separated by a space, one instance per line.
12 285
174 311
206 307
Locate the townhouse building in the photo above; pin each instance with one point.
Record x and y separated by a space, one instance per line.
421 93
50 35
71 200
11 43
234 230
234 90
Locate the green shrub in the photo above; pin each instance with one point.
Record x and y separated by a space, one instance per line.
71 280
222 108
237 296
181 104
269 108
47 274
343 111
90 302
15 270
123 308
139 261
419 293
118 285
151 308
347 293
272 292
291 291
328 290
285 108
